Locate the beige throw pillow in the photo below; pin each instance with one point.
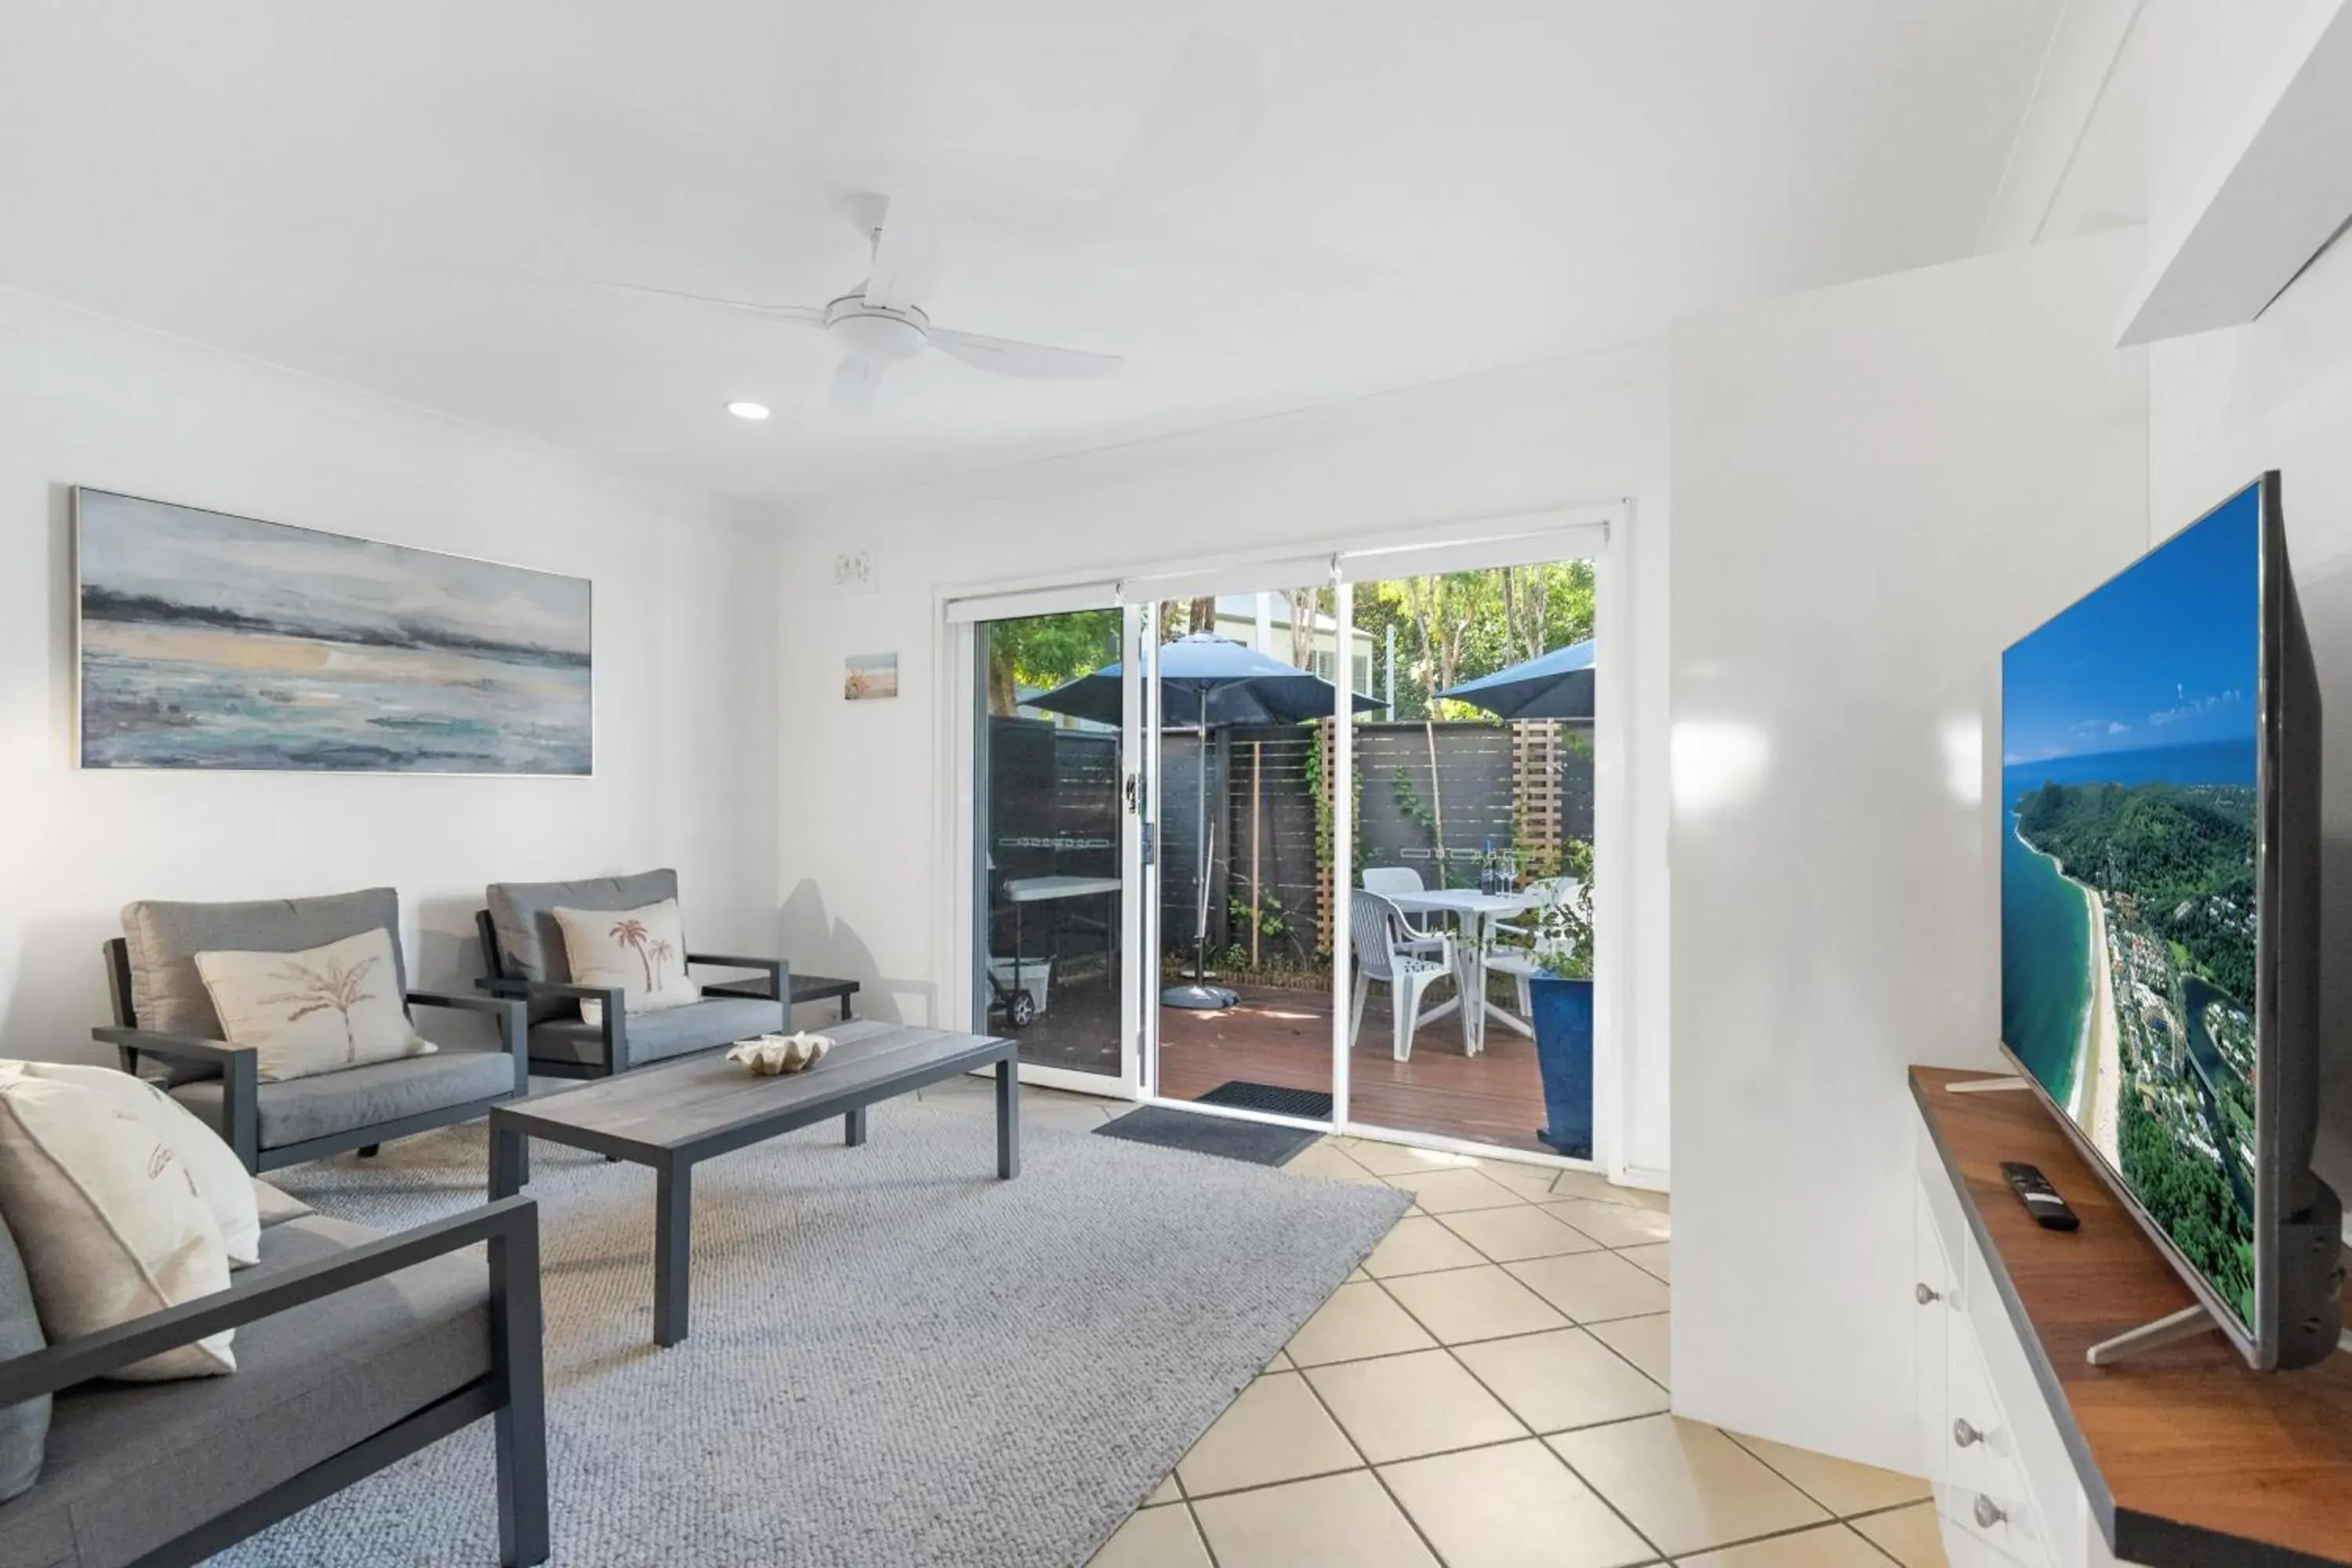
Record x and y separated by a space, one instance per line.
642 951
220 1176
107 1218
318 1011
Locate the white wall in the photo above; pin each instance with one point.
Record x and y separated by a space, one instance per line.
1876 488
861 868
685 668
2277 393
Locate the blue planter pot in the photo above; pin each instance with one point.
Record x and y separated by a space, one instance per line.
1563 1022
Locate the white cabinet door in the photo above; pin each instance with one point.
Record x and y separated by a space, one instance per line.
1935 1305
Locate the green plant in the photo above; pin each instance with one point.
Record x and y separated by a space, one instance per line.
1563 928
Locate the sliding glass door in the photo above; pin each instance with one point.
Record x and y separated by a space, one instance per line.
1248 685
1321 852
1053 772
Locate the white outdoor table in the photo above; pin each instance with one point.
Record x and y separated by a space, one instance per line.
1476 915
1021 890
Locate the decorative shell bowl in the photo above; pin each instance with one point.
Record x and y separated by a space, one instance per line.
769 1054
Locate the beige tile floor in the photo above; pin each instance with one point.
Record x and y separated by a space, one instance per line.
1489 1391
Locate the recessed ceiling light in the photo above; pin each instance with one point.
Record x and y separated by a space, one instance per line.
748 410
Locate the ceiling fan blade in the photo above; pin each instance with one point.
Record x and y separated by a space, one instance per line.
1033 361
798 315
906 256
853 386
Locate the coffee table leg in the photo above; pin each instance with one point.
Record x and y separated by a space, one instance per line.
509 1161
1008 1116
673 1247
853 1127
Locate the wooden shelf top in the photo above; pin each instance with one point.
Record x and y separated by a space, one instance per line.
2188 1456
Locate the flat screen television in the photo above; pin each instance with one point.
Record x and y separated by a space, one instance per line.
2160 913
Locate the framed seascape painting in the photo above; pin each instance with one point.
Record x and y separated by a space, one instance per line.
211 641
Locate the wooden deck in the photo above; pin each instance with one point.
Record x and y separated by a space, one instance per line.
1285 1037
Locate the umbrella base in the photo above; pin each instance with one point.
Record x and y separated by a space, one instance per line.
1198 998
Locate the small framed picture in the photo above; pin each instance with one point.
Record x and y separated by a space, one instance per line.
868 676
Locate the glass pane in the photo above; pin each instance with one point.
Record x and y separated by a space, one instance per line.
1474 819
1244 831
1046 748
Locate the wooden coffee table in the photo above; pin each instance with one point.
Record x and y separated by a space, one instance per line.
674 1116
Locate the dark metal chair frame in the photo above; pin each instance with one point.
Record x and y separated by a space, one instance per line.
241 1091
513 1392
499 983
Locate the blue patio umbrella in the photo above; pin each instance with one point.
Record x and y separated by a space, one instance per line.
1205 680
1557 685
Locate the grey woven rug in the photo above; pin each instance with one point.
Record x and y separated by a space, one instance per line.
895 1359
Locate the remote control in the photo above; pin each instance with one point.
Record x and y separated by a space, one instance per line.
2039 1198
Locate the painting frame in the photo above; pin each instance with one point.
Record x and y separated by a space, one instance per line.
79 514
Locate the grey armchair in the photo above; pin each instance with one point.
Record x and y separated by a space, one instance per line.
522 948
354 1350
163 1014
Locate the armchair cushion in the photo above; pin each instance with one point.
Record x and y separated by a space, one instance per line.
24 1428
164 939
320 1009
673 1032
299 1110
642 951
530 944
106 1219
311 1383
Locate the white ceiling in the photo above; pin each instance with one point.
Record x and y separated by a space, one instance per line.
420 198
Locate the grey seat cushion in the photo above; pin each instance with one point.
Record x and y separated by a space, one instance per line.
164 938
132 1465
302 1109
24 1428
530 944
653 1037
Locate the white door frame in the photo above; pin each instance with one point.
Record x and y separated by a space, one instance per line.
1600 531
962 615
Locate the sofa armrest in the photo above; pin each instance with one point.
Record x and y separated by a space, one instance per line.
187 1049
240 1076
510 1226
723 961
514 1024
615 1025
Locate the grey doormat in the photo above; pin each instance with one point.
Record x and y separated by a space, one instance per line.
1273 1098
895 1359
1259 1142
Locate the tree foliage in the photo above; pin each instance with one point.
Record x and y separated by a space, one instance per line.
1458 626
1039 652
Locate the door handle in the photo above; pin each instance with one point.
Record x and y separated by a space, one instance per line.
1965 1435
1132 793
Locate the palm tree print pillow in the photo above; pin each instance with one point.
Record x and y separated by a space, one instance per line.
641 950
321 1010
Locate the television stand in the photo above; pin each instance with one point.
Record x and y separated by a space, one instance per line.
1986 1085
2169 1330
2040 1454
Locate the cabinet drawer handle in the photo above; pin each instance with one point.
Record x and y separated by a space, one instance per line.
1966 1436
1926 1296
1988 1512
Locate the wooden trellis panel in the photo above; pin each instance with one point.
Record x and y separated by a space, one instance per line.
1536 754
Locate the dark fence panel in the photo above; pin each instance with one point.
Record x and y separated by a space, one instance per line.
1053 808
1053 805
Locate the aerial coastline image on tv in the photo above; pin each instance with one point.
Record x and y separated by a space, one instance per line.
2130 733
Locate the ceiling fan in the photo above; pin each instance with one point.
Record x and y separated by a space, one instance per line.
878 324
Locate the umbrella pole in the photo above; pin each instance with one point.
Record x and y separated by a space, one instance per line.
1200 995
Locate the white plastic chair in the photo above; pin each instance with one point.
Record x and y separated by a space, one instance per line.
1390 881
1389 951
1519 963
